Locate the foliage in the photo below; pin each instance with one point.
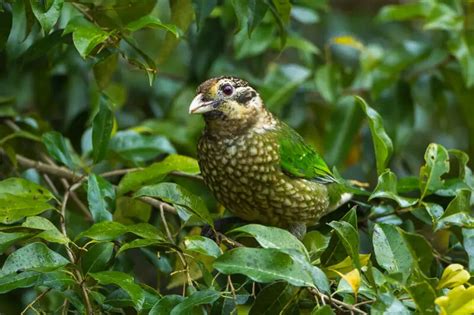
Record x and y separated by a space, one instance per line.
102 208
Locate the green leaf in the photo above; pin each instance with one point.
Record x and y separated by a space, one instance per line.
283 8
263 265
468 244
420 249
458 212
34 256
60 149
349 238
56 280
257 9
47 17
85 35
20 198
97 257
124 281
202 245
110 230
136 147
177 195
5 27
336 251
387 188
462 47
404 11
327 79
422 294
272 237
152 22
388 304
98 190
203 8
261 39
195 299
382 144
457 301
50 231
156 172
273 299
139 243
102 126
436 165
323 310
166 304
8 239
14 281
391 251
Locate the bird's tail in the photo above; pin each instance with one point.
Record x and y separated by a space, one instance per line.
344 197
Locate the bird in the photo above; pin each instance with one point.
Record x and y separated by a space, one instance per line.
258 167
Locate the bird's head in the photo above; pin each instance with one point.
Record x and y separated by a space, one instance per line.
227 99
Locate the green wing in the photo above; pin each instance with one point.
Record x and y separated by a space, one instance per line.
299 159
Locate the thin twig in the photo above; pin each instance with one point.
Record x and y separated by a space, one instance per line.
120 172
165 224
39 297
338 304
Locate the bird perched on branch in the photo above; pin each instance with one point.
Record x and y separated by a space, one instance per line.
258 167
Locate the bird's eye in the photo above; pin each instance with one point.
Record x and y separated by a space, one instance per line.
227 89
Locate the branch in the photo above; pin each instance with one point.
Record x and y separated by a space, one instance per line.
338 304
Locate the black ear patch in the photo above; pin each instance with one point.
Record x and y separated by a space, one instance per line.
246 96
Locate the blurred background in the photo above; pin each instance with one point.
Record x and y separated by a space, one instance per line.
414 66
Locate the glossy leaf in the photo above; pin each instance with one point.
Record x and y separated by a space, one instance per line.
436 165
177 195
60 149
50 231
33 257
97 257
458 212
387 188
47 17
202 245
156 172
194 300
273 299
98 190
203 8
263 265
85 35
152 22
20 198
383 146
349 238
102 126
123 280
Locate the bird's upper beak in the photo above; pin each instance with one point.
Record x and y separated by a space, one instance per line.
199 106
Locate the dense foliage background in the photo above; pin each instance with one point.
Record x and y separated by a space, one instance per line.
102 207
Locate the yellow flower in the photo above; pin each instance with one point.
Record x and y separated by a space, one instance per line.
453 276
458 301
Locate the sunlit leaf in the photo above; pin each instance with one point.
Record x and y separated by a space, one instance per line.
457 301
453 275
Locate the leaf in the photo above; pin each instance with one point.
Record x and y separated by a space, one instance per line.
263 265
453 275
345 266
47 17
421 250
14 281
98 190
383 146
284 9
156 172
327 80
124 281
20 198
462 48
136 147
323 310
110 230
203 8
34 256
5 27
139 243
349 238
390 250
202 245
177 195
457 301
50 231
436 165
195 299
458 212
404 11
348 41
387 188
8 239
97 257
388 304
353 279
468 244
272 237
152 22
60 149
257 9
422 293
166 304
273 299
85 35
102 127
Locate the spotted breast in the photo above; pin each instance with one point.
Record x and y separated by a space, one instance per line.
244 174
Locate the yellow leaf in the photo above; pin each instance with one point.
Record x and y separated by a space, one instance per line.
348 41
345 266
453 276
458 301
353 279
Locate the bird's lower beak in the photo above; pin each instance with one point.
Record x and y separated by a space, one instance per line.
198 106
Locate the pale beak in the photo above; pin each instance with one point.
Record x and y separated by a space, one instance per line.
198 106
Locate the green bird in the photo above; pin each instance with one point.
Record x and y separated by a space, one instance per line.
258 167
